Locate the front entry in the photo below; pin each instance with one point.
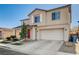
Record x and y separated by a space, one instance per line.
28 33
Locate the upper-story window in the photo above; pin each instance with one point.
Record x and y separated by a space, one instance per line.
55 15
37 19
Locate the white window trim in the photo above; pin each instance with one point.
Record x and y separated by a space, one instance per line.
40 18
56 19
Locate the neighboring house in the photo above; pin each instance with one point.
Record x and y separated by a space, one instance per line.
5 32
16 31
53 24
74 30
0 34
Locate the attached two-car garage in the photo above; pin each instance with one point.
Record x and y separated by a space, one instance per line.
52 34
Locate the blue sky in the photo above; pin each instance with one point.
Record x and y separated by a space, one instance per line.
11 14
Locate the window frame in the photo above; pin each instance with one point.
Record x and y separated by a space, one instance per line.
56 15
37 21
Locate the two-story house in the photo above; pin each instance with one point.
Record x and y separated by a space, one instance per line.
53 24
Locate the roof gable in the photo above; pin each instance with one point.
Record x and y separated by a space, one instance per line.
35 10
49 9
60 7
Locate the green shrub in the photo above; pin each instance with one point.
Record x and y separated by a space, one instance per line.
15 39
8 38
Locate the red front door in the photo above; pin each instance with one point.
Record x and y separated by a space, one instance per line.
28 33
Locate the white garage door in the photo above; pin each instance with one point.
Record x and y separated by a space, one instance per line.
53 34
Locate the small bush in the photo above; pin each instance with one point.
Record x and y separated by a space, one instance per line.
15 39
8 38
13 36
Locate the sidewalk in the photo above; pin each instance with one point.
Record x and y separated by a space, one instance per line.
39 47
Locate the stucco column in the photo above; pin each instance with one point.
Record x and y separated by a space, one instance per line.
38 34
33 33
66 34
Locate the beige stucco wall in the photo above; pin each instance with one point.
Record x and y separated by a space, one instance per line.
46 17
42 17
6 33
64 17
27 22
17 30
64 27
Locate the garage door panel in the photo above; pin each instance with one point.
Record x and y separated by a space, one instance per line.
56 34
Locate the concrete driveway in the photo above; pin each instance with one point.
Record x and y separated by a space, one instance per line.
39 47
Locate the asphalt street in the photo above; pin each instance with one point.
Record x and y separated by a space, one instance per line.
4 51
